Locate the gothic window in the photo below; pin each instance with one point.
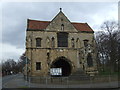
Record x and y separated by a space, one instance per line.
62 38
72 42
62 27
38 65
53 42
89 60
85 42
38 42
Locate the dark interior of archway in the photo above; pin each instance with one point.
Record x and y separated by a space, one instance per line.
66 67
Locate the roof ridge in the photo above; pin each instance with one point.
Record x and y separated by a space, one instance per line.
50 21
78 22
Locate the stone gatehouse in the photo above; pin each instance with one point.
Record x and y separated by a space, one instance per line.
60 43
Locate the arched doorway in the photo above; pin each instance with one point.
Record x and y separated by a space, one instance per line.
63 63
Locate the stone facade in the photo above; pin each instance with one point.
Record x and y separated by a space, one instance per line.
76 53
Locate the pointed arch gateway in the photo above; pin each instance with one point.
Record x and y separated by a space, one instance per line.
64 63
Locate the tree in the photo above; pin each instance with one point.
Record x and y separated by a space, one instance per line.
108 43
21 62
9 67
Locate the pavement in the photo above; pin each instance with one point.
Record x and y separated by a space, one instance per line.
17 81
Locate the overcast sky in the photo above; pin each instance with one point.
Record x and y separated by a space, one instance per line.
15 15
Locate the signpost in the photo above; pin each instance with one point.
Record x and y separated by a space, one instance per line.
56 71
26 61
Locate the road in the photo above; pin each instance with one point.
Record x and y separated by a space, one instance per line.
5 79
17 81
13 81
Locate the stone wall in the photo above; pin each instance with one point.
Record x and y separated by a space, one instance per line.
39 54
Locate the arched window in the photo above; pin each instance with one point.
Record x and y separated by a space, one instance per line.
89 60
62 27
38 42
72 42
85 42
53 42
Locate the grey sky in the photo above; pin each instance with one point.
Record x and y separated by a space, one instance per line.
15 15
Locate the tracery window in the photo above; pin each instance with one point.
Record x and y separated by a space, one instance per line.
62 38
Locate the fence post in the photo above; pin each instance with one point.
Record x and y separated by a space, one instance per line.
29 82
67 80
109 80
46 80
91 81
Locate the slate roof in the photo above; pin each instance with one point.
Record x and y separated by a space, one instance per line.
41 25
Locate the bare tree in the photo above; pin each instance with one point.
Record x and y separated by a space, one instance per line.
21 62
108 43
9 67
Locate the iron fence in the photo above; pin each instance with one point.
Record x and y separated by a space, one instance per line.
68 81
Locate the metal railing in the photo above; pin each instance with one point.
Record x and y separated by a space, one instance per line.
67 81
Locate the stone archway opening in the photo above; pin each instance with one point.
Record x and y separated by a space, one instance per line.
64 64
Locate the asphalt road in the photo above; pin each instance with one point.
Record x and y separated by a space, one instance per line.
13 81
17 81
5 79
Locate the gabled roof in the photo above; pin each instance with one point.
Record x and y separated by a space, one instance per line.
41 25
82 27
35 24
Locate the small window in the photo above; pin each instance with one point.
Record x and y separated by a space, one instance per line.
62 27
85 42
72 42
38 42
53 42
38 65
48 55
